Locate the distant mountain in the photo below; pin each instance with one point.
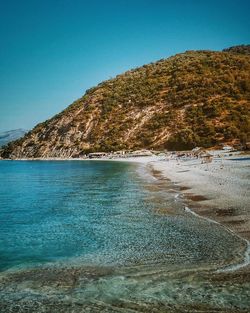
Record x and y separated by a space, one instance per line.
243 49
8 136
196 98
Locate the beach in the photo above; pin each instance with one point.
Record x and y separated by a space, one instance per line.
163 231
218 190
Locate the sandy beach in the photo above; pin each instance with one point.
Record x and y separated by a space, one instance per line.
218 190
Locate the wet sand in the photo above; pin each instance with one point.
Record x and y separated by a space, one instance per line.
218 190
209 194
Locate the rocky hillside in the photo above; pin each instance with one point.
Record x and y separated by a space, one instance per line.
196 98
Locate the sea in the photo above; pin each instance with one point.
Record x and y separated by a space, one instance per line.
108 236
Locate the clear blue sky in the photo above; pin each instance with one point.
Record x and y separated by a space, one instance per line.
51 51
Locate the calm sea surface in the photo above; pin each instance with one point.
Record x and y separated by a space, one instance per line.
110 217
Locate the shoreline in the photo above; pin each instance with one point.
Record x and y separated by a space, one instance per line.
216 192
62 285
139 159
208 191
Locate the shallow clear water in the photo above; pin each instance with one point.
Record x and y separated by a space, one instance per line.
103 215
100 212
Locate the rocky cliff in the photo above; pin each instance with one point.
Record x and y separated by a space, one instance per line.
196 98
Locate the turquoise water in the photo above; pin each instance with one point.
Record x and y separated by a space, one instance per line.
97 211
112 217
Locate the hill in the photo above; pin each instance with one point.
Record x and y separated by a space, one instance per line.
8 136
243 49
196 98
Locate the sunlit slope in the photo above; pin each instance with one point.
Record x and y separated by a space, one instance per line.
196 98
